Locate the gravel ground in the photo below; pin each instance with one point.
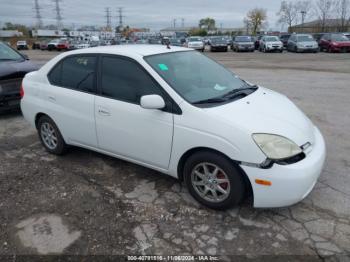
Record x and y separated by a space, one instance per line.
87 203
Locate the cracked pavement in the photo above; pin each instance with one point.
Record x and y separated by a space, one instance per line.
89 203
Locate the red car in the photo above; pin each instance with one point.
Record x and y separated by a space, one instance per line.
62 45
335 43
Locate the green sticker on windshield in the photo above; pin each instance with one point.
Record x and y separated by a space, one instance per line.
163 67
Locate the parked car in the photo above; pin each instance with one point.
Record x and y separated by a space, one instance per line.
52 45
270 44
347 35
317 37
36 45
13 67
218 43
154 41
243 43
335 43
82 45
22 45
284 39
302 43
43 45
195 42
175 42
181 113
63 45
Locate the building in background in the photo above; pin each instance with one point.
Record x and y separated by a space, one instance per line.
10 33
317 26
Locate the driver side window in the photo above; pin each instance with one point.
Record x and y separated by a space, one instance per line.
125 80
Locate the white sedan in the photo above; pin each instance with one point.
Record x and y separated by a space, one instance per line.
176 111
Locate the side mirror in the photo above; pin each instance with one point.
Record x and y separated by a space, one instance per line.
152 102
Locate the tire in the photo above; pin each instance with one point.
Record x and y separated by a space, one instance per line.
230 175
46 124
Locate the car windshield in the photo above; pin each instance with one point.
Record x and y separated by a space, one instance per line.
218 39
243 39
194 76
271 39
175 41
305 38
194 39
7 53
339 38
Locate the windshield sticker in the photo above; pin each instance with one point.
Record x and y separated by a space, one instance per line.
219 87
163 67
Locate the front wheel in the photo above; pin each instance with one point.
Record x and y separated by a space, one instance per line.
213 180
50 136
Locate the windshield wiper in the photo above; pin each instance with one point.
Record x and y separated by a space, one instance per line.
240 91
210 101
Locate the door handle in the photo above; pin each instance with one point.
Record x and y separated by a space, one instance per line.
104 112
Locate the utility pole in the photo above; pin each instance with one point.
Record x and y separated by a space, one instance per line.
58 14
174 22
303 14
108 18
39 22
182 22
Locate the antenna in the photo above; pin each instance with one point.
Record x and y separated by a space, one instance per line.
39 22
58 14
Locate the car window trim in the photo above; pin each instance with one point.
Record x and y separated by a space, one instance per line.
171 106
60 63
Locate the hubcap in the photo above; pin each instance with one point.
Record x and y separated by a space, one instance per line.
210 182
48 135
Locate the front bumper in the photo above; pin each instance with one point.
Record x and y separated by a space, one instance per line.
289 183
196 47
246 48
307 49
274 48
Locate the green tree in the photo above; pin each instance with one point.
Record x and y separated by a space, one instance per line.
208 23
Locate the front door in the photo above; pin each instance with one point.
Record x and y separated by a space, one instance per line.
125 128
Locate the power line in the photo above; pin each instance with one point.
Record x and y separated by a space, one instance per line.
39 22
59 18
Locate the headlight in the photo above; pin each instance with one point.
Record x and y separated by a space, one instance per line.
276 147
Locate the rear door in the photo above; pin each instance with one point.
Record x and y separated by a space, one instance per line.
70 98
125 128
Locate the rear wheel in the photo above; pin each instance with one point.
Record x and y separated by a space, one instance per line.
50 136
213 180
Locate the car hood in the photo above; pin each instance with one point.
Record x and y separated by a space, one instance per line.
266 111
308 43
245 43
195 42
274 43
343 43
15 69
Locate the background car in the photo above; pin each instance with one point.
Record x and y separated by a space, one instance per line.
318 36
52 45
347 35
270 44
195 42
335 43
36 45
63 45
22 45
13 67
218 43
243 43
154 41
257 42
175 41
284 39
43 45
302 43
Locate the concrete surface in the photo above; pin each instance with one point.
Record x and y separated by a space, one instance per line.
93 204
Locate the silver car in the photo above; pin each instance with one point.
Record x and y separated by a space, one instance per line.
302 43
243 43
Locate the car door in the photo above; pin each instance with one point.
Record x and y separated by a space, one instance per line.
70 98
124 128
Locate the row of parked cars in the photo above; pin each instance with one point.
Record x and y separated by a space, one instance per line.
331 42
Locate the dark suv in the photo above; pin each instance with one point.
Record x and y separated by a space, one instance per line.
13 67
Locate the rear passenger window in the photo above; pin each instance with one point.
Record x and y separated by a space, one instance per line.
75 72
124 80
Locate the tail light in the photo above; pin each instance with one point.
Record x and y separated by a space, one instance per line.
21 91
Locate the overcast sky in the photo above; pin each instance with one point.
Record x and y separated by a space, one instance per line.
154 14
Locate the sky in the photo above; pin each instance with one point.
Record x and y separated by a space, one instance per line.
153 14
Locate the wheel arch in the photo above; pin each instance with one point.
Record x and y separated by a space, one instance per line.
194 150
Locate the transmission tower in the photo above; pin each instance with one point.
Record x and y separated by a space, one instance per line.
108 18
57 10
39 22
120 16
